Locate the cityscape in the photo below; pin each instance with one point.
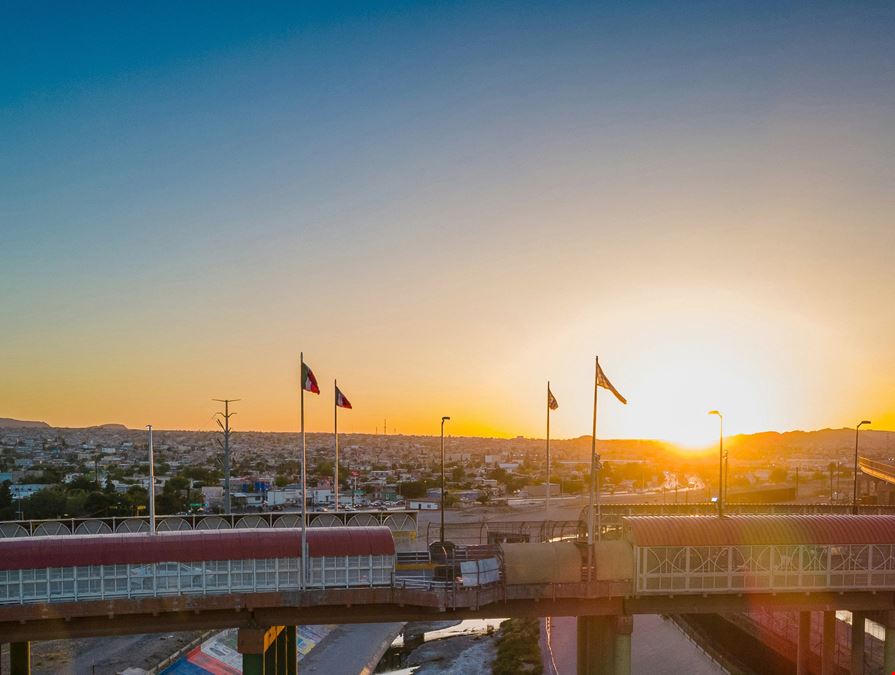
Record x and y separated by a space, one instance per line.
447 338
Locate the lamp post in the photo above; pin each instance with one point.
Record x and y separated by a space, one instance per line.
443 420
854 499
151 483
720 462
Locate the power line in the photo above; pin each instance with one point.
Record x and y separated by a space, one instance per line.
225 427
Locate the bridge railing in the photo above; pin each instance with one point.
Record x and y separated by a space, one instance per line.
768 568
403 524
215 577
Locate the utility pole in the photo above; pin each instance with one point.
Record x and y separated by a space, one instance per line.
225 427
831 467
151 492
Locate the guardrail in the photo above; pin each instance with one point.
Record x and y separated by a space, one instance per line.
401 523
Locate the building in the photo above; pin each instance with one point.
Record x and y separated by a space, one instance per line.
424 504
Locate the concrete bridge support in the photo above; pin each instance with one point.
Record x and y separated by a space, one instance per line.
604 645
889 644
828 646
803 651
857 643
267 651
20 658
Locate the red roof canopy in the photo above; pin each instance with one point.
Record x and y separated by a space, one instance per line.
759 530
191 546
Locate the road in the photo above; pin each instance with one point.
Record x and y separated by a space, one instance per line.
351 650
102 656
657 646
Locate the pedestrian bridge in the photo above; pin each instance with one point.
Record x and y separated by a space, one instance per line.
402 523
255 578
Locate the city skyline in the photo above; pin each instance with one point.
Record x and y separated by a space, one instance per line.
444 206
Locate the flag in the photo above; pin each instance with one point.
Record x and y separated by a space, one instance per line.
308 381
551 400
603 381
341 400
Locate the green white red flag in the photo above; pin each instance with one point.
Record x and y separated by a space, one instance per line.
308 381
341 400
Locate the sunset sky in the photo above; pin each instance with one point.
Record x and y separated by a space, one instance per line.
445 205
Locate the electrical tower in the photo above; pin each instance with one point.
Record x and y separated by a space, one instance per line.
225 427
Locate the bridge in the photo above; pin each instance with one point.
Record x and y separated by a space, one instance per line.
403 523
255 579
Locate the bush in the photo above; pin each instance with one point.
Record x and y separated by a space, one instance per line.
518 648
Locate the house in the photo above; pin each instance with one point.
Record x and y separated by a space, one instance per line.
424 504
23 490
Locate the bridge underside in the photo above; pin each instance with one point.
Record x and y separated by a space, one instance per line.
53 621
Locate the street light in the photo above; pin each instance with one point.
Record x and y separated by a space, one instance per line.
443 420
854 500
720 462
151 484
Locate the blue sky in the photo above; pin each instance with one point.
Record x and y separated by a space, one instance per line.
178 184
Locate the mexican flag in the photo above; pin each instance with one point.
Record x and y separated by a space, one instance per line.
341 400
308 381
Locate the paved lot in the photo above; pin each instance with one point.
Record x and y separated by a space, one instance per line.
351 650
657 646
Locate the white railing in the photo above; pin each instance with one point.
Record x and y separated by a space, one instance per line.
769 568
217 577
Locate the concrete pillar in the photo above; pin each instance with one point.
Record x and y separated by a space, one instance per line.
857 643
828 650
624 626
604 645
291 640
889 645
20 658
581 645
803 652
266 651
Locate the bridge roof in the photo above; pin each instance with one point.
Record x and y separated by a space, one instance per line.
759 530
191 546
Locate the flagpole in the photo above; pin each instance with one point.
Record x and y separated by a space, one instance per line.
336 433
304 493
547 500
593 464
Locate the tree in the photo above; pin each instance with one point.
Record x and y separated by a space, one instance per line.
778 474
324 468
412 489
6 508
81 482
46 503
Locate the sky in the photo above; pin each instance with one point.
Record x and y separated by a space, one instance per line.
445 205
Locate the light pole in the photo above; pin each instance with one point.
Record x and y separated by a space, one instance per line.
854 499
151 483
443 420
720 462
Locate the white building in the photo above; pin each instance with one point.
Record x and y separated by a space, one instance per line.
424 504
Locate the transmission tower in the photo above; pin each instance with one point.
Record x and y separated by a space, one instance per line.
225 427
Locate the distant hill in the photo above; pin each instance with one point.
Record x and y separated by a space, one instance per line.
822 440
9 423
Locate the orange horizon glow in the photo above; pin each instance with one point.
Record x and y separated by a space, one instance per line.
445 207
